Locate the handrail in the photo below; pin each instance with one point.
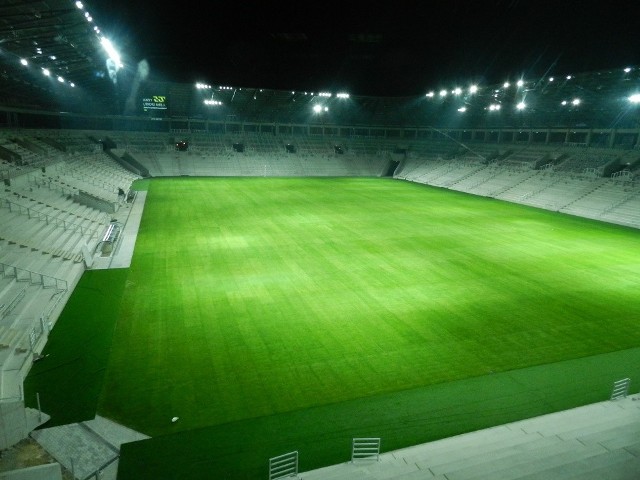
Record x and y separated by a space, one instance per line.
60 284
50 218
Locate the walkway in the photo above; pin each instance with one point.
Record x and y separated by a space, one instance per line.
596 442
129 215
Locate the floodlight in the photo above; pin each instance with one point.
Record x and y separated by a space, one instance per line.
494 107
635 98
575 101
342 95
564 102
79 5
324 94
111 51
45 72
24 62
60 79
457 91
521 106
569 77
473 89
627 70
462 109
317 108
506 85
71 84
551 79
520 83
430 94
443 93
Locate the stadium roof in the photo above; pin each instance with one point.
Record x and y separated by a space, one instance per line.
55 37
259 55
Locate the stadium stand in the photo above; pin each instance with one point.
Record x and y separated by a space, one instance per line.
46 233
48 230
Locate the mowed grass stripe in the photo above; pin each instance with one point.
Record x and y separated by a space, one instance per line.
254 297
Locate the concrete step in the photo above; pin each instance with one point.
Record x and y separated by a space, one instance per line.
482 452
526 463
627 470
76 447
606 462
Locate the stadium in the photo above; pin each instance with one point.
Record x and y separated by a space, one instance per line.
217 281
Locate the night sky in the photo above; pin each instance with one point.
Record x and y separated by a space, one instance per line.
365 48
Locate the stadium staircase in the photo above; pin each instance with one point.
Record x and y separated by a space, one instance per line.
88 449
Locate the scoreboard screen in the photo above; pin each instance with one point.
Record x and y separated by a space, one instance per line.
154 102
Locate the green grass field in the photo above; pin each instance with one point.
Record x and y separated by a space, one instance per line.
260 309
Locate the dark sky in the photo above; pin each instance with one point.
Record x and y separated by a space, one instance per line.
383 48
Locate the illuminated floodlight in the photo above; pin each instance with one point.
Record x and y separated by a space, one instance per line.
635 98
212 102
342 95
473 89
430 94
60 79
575 101
462 109
457 91
24 61
551 79
506 85
317 108
521 106
72 85
79 5
443 93
627 70
202 86
324 94
46 72
111 51
563 102
520 83
569 77
494 107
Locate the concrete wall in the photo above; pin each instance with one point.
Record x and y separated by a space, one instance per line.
50 471
13 423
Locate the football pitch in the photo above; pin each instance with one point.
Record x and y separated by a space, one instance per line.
257 307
